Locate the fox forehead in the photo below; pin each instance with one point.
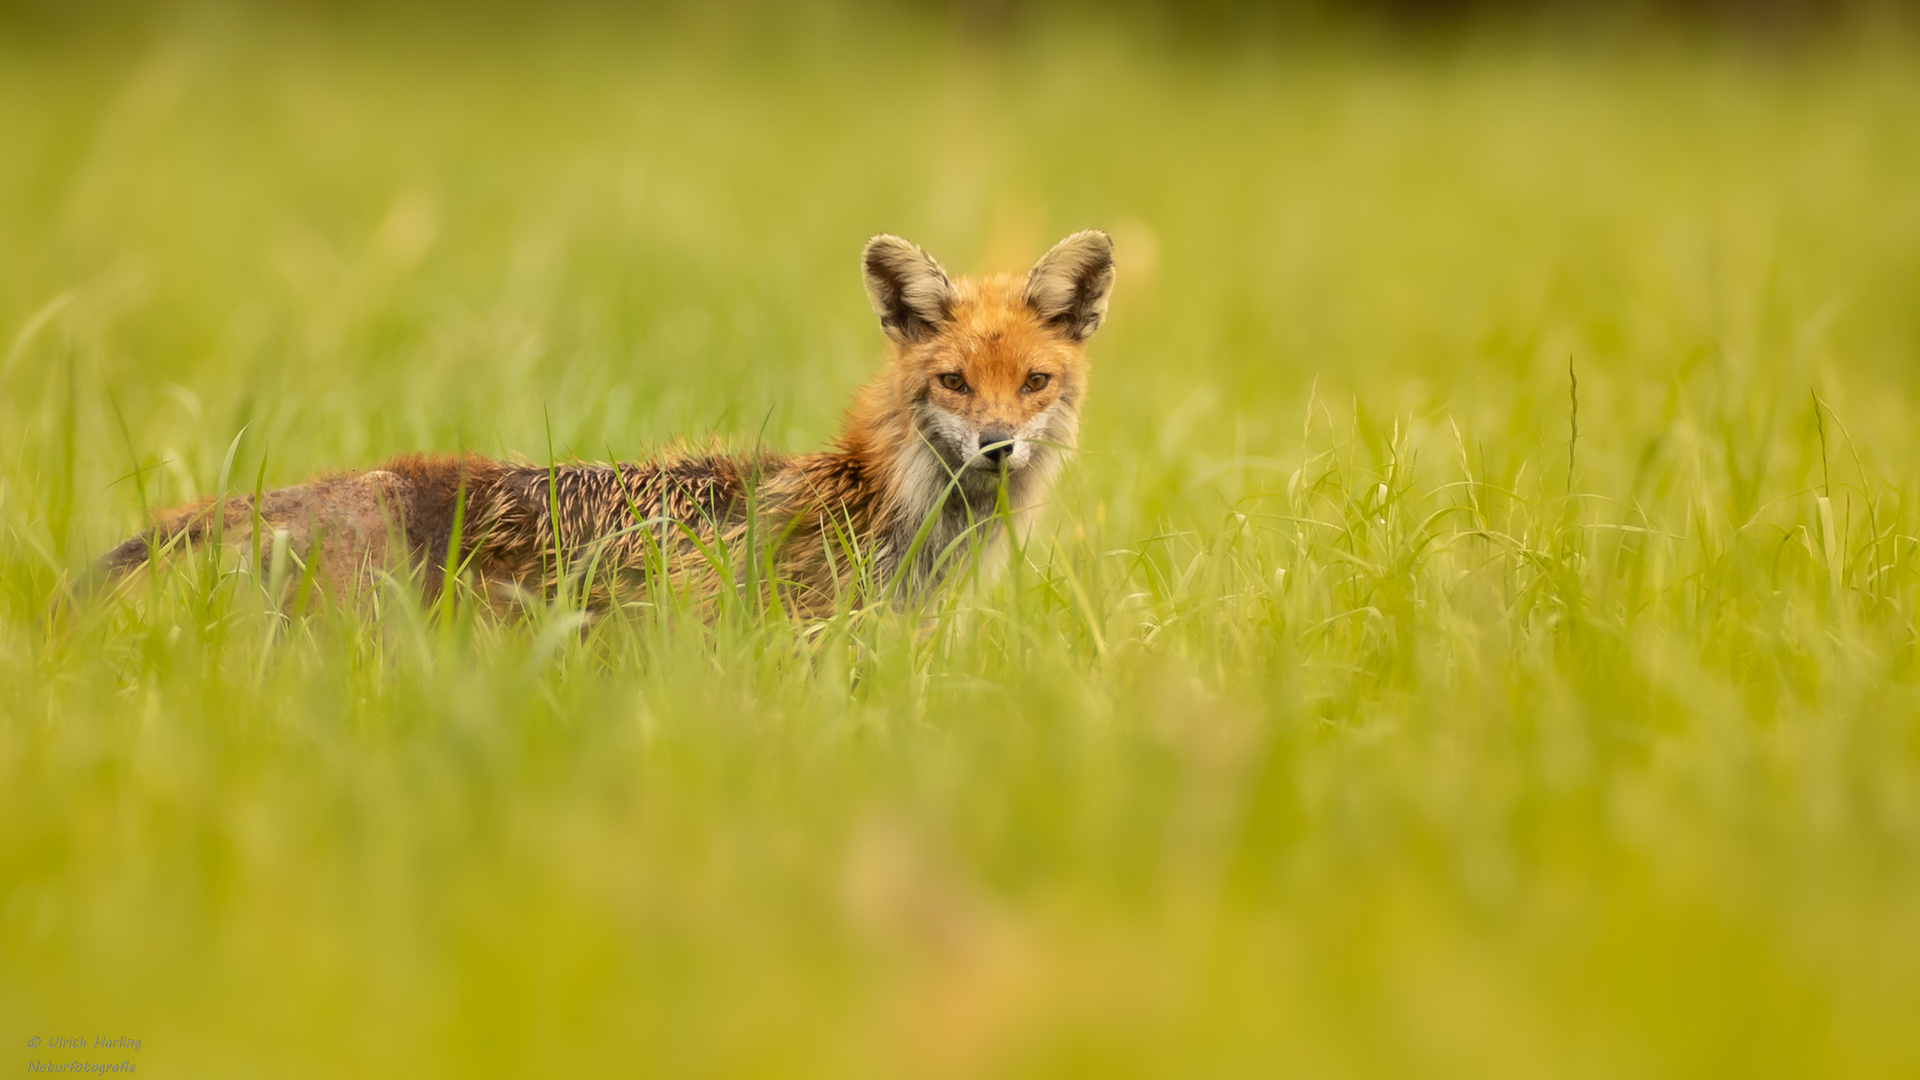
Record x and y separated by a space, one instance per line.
995 334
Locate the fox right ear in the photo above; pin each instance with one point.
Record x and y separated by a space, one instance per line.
909 291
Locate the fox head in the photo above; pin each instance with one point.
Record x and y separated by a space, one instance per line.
985 376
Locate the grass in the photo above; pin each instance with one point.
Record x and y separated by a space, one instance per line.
1345 716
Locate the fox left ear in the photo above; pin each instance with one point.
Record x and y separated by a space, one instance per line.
1069 285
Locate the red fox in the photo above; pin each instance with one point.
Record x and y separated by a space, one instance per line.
964 426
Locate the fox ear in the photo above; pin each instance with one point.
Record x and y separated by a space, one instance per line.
910 292
1069 285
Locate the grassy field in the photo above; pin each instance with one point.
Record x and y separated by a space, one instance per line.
1344 716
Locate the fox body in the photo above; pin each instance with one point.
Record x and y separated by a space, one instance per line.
964 426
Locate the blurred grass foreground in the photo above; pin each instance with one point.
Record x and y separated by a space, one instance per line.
1345 715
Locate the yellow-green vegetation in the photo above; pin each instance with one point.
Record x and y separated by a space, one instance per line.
1343 716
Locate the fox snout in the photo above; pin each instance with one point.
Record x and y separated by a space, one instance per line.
1001 448
997 444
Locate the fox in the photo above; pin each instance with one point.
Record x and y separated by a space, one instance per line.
958 437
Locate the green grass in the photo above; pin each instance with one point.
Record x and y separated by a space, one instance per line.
1343 717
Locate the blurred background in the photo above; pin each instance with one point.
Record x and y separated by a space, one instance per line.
1351 716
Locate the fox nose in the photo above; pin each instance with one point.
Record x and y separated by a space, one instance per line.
996 443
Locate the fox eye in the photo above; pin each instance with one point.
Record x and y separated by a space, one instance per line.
952 381
1038 381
